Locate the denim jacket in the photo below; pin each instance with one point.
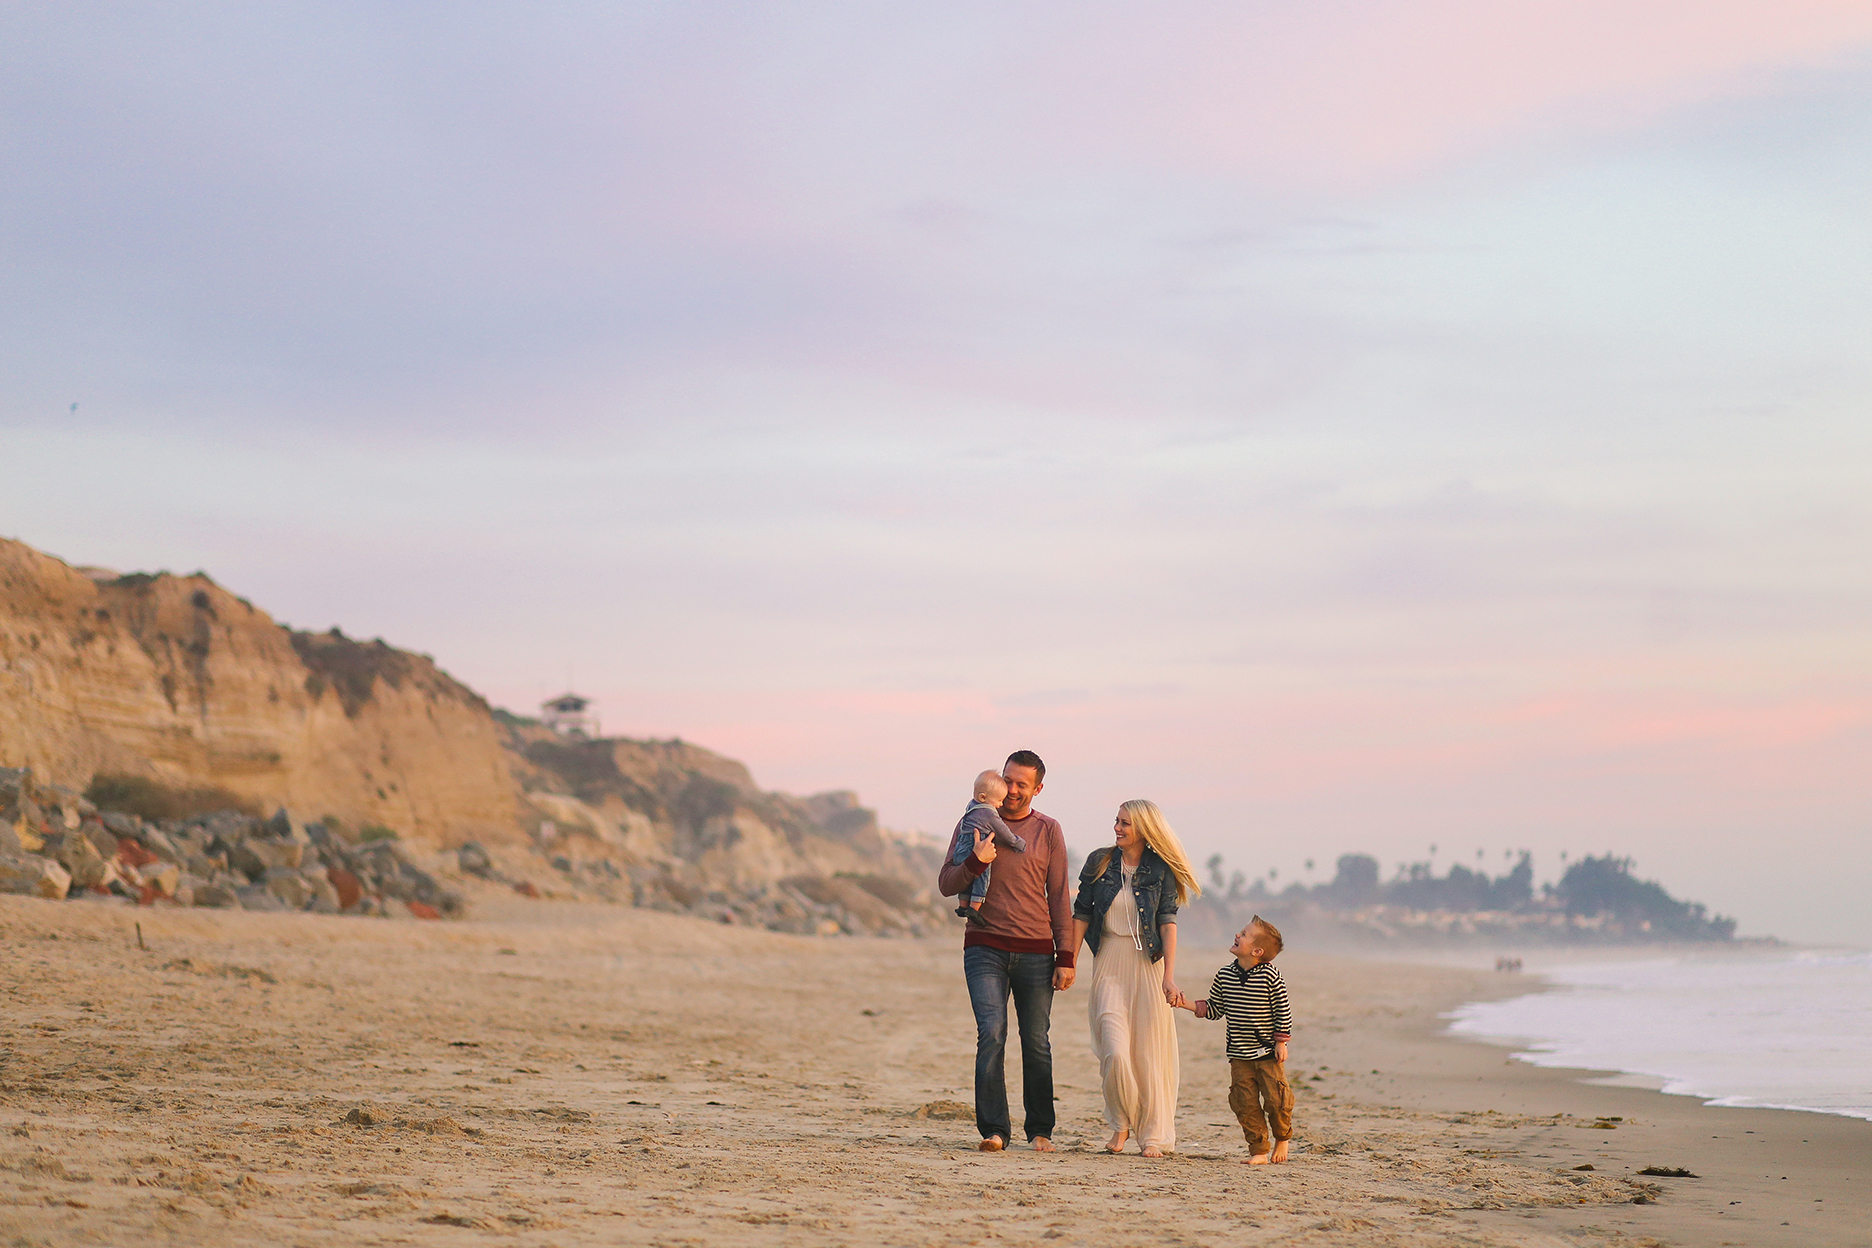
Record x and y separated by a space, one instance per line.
1154 886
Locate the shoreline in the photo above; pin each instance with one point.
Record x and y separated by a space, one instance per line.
1562 1032
568 1074
1741 1153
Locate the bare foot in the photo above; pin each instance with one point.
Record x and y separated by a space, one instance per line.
1151 1150
1280 1152
1259 1159
1042 1145
1117 1142
993 1144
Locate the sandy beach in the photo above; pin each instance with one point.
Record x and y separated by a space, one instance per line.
557 1073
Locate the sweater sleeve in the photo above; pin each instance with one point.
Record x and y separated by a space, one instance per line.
1217 1007
1280 1008
1059 899
955 877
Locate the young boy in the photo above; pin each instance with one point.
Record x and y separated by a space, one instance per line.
1250 993
983 812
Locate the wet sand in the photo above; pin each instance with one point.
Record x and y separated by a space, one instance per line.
555 1073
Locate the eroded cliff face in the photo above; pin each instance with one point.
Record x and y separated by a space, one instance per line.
695 831
174 678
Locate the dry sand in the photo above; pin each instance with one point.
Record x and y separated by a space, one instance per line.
553 1073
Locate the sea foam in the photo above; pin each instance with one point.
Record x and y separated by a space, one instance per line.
1774 1030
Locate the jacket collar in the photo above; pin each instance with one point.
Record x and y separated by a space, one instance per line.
1114 865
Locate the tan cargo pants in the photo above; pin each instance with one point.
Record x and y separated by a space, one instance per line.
1253 1085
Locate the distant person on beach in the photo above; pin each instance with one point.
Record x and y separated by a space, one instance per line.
1250 993
1018 948
1126 909
983 812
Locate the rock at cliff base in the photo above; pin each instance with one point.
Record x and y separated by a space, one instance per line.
347 886
256 897
256 857
33 876
217 895
101 837
163 877
294 891
132 856
473 859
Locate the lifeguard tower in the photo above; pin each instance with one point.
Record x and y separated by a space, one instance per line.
570 715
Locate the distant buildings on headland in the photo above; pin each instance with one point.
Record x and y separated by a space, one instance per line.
1597 901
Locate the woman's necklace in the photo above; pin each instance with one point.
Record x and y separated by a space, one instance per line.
1127 872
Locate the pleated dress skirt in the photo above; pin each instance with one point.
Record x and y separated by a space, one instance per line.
1134 1037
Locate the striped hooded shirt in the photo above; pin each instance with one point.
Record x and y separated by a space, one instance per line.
1254 1000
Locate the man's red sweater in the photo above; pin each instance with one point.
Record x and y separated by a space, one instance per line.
1028 908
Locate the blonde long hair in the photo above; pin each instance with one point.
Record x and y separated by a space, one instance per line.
1158 834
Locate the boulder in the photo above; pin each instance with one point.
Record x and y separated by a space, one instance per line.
474 860
204 866
100 836
161 876
22 823
255 857
120 824
131 855
33 876
77 854
218 894
291 886
257 897
346 885
154 840
324 896
62 807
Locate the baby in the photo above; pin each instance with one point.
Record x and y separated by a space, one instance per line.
1250 993
982 813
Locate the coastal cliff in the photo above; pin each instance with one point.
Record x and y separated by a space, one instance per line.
176 679
124 687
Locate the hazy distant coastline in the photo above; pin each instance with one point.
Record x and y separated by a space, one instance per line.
1596 901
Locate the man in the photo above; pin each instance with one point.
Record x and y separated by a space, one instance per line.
1023 948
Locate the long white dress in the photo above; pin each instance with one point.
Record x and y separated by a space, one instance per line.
1133 1030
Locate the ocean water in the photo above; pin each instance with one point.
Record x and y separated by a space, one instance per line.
1775 1030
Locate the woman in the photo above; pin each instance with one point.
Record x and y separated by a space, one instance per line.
1126 909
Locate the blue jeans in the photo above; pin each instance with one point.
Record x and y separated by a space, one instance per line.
992 975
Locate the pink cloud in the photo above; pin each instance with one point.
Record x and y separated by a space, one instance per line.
1348 95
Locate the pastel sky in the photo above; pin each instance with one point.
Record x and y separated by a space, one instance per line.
1356 426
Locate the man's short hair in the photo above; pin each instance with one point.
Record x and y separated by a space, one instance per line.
1027 758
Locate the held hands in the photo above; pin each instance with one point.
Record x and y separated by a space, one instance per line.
1063 978
1178 1001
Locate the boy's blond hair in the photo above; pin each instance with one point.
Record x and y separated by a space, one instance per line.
990 787
1272 933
